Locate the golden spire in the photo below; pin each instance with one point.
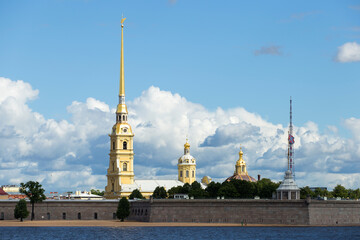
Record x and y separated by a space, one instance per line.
122 77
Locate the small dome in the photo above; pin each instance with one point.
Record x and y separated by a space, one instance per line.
244 177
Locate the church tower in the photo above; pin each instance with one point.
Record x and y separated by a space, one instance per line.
187 166
240 170
240 166
121 164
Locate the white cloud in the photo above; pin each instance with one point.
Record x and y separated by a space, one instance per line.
70 155
349 52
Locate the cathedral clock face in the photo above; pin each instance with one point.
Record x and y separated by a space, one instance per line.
125 130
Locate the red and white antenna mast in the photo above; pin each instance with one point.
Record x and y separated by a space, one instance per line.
291 142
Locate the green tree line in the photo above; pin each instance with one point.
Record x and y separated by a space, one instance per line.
338 191
228 189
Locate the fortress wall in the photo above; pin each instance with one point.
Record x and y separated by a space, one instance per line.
334 212
287 212
56 208
293 212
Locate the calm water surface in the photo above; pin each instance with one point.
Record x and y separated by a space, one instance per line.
179 233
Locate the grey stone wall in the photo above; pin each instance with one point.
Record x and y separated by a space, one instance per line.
334 212
294 212
287 212
55 209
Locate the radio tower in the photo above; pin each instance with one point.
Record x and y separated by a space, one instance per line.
290 145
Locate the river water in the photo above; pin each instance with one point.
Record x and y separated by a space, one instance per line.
179 233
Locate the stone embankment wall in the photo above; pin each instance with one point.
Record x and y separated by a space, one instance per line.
246 211
64 209
288 212
334 212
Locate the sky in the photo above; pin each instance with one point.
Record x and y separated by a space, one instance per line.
221 73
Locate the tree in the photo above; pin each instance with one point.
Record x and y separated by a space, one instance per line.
265 188
97 192
305 192
228 190
174 190
123 210
213 189
185 189
20 210
244 188
136 194
354 194
159 192
35 192
340 191
197 191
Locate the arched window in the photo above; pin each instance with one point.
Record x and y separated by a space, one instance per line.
123 117
242 168
112 187
193 173
187 173
125 167
124 145
95 216
181 174
113 145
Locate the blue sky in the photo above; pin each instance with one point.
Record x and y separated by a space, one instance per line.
234 54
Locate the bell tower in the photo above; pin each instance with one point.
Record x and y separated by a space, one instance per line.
121 164
187 166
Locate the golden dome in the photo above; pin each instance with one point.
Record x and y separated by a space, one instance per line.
187 145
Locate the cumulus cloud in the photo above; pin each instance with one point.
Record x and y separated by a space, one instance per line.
268 50
69 155
349 52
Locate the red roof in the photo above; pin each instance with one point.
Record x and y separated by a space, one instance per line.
2 192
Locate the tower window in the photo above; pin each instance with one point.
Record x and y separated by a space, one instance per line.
124 145
113 146
187 173
113 165
125 167
112 187
242 168
181 174
193 173
123 117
